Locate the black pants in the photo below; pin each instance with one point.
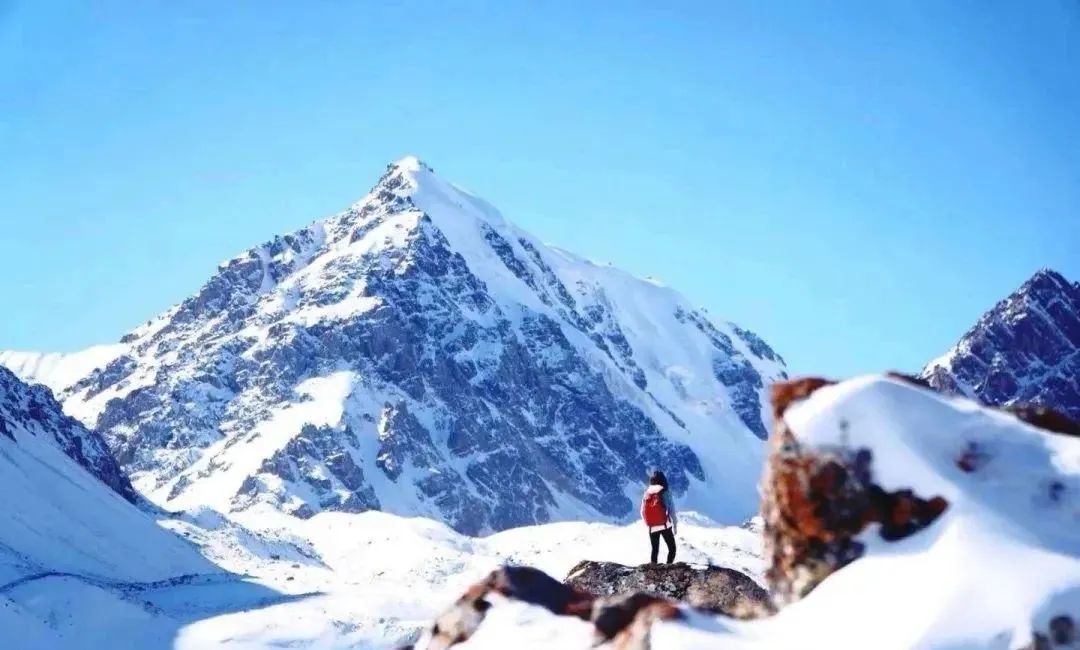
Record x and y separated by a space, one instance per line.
669 539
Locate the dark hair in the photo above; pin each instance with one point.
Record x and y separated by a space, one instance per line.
658 478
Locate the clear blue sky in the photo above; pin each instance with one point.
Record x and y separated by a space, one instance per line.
855 181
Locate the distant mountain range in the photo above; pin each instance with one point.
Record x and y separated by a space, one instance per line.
419 354
1024 350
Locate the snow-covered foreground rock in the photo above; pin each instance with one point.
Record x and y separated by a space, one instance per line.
995 563
419 354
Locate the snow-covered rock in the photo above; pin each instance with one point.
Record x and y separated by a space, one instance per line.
1024 350
718 589
420 355
996 567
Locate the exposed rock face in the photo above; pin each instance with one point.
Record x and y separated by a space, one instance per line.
32 408
623 620
816 501
1026 350
711 588
420 355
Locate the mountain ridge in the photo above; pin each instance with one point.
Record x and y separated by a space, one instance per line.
1025 349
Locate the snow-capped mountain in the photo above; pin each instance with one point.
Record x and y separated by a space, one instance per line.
1024 350
419 354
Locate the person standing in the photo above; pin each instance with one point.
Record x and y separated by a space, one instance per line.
658 513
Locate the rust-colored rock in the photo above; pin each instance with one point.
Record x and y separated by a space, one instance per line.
1046 418
816 501
627 620
786 392
622 620
520 583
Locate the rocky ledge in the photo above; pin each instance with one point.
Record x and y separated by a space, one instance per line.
623 621
710 588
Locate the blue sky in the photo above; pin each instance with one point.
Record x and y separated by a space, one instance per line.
856 183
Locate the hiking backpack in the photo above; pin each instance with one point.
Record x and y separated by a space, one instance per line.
655 512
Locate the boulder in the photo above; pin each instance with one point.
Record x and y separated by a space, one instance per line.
623 620
710 588
817 501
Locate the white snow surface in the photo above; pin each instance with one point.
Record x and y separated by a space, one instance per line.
1001 561
59 370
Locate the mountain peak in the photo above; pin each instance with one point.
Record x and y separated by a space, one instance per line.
409 163
418 353
1046 280
1026 349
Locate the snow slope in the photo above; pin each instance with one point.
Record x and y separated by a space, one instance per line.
80 566
991 572
419 354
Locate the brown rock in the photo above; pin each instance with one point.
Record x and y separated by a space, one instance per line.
627 620
520 583
624 620
1045 418
714 589
786 392
817 501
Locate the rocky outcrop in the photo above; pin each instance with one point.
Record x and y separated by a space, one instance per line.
817 501
621 602
709 588
624 621
1025 350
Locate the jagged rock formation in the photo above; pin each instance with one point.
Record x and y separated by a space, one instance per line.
418 354
710 588
624 621
32 410
1026 350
